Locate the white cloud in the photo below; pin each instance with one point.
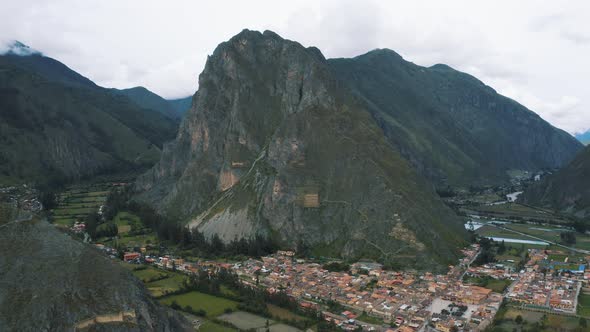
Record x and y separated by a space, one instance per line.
533 51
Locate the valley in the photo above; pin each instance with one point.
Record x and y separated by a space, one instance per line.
362 294
287 192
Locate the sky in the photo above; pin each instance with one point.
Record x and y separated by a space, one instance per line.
532 51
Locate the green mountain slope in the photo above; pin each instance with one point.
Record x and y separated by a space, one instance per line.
149 100
275 146
181 105
55 124
449 125
50 282
567 190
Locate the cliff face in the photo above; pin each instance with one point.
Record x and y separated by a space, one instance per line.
454 129
567 191
50 282
275 145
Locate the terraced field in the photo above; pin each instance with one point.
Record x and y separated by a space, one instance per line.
77 202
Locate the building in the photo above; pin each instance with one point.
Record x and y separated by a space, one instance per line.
129 256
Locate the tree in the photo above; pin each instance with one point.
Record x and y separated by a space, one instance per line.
580 226
48 199
568 237
92 221
518 319
501 247
174 305
583 322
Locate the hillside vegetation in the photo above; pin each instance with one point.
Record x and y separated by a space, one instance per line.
56 124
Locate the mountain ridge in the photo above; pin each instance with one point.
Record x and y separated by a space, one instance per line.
57 124
447 122
149 100
567 190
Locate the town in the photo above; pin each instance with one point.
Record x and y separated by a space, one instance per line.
374 299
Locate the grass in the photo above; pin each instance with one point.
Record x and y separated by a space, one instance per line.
127 221
497 232
498 286
78 202
584 304
148 273
552 322
369 319
73 210
213 305
162 287
209 326
495 285
283 314
518 210
63 222
134 241
557 257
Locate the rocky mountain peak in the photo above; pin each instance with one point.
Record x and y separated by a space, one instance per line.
275 146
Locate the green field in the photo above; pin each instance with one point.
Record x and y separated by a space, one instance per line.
126 222
170 284
213 305
77 202
370 319
550 233
495 285
147 274
132 241
584 304
534 321
517 210
209 326
497 232
283 314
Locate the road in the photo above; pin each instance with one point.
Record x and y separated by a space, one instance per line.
468 265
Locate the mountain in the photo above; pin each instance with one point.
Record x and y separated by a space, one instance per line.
51 282
584 137
57 124
149 100
567 190
275 145
452 128
181 105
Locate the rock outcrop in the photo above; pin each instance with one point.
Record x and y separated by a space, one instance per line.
50 282
276 145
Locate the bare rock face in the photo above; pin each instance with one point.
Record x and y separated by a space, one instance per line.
50 282
275 145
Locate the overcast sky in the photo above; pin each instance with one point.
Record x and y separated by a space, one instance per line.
535 52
